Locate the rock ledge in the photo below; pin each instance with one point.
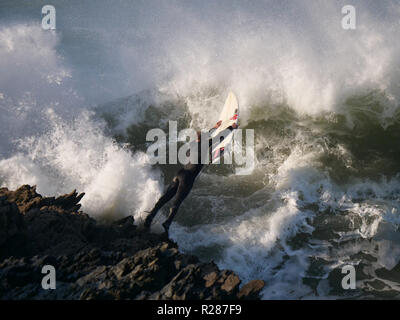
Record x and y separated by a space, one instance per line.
98 261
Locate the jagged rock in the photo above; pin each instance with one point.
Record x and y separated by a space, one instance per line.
231 285
210 278
26 198
180 286
97 261
69 201
251 290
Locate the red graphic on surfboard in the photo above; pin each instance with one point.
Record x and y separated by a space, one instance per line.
216 153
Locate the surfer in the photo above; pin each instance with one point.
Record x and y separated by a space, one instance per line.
181 184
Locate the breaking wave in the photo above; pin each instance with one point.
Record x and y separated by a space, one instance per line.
76 103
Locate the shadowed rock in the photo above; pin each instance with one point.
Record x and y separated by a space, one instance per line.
97 261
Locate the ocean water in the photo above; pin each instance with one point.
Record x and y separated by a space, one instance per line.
76 103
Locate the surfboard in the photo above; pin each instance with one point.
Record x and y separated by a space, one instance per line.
228 116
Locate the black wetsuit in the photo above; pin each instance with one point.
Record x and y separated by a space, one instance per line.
180 186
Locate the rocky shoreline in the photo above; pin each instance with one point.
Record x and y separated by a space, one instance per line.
98 261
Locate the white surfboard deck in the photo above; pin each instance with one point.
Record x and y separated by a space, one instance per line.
229 116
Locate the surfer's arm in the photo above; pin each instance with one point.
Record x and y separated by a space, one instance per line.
210 142
212 130
233 127
217 125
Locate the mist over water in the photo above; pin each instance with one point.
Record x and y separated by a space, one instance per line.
75 105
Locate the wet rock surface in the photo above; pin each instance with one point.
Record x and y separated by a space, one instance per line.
98 261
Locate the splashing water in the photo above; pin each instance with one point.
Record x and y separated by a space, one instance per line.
75 105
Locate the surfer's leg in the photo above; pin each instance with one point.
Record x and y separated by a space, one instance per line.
171 191
184 188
